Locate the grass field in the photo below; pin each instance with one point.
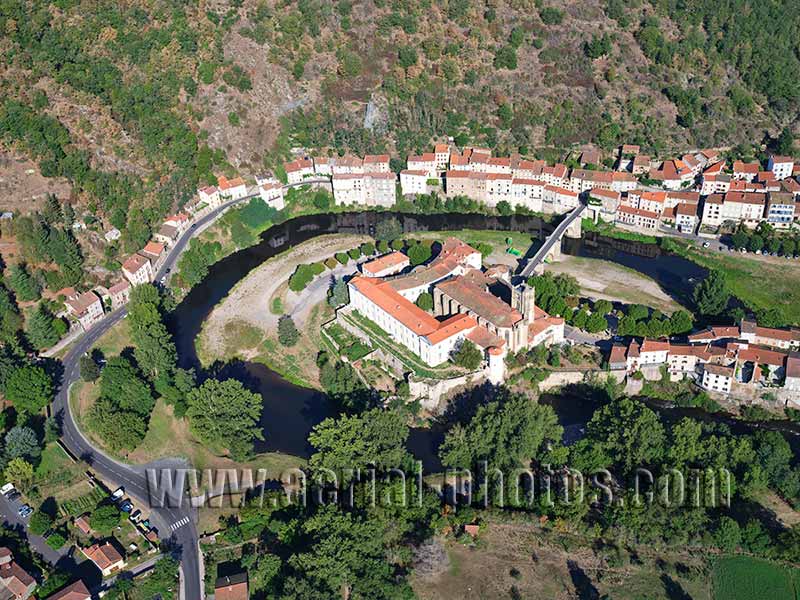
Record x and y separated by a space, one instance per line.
759 282
746 578
115 340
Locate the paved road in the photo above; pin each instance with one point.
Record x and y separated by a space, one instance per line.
554 238
174 524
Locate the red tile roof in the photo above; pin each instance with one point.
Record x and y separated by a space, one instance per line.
226 184
649 345
134 263
393 259
743 167
75 591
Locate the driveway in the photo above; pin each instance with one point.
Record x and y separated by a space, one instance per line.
8 512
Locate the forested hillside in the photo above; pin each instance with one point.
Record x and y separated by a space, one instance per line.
135 104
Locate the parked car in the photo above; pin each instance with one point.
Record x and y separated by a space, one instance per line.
118 493
706 244
7 489
135 515
25 511
126 506
14 495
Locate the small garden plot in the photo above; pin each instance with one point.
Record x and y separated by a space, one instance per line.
82 504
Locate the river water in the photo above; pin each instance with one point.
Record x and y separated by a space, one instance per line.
291 411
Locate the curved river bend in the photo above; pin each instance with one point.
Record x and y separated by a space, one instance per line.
291 411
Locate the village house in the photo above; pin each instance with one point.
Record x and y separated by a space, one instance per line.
527 193
138 270
626 155
231 189
745 171
155 252
119 293
780 211
15 582
105 557
792 378
673 174
715 184
348 165
780 166
299 169
424 162
641 165
208 197
385 265
413 182
271 191
322 166
179 220
785 339
74 591
590 157
376 163
718 378
232 587
603 205
653 202
441 153
684 359
557 175
636 217
559 200
166 234
86 308
736 207
366 189
685 218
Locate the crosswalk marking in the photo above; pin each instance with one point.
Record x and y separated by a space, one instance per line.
179 524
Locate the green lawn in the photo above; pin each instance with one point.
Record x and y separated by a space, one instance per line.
759 283
746 578
496 238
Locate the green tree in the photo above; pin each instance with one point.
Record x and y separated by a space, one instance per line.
287 332
41 328
756 243
22 442
40 522
104 518
468 356
367 248
121 383
603 307
388 229
596 323
224 414
425 301
88 368
506 435
784 144
322 200
376 437
30 389
19 472
419 253
407 56
727 535
504 208
21 281
788 247
680 322
340 294
740 239
154 348
629 432
551 16
711 295
119 429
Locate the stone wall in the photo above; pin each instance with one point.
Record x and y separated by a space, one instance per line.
432 391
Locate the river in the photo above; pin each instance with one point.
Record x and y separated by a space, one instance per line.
291 411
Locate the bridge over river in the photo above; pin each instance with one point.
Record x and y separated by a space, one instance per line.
552 244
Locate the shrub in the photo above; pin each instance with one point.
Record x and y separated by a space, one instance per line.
303 275
287 332
354 253
551 16
342 257
367 248
331 263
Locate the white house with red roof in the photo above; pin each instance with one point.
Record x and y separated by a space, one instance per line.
413 182
385 265
119 293
15 582
559 200
155 252
423 162
209 196
638 218
231 189
365 189
298 169
271 191
138 270
745 171
376 163
441 153
603 204
86 308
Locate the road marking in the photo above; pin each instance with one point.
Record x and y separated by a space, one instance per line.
177 525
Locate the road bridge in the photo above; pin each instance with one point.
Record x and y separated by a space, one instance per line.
553 243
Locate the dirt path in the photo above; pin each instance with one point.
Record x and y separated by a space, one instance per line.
250 300
602 279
